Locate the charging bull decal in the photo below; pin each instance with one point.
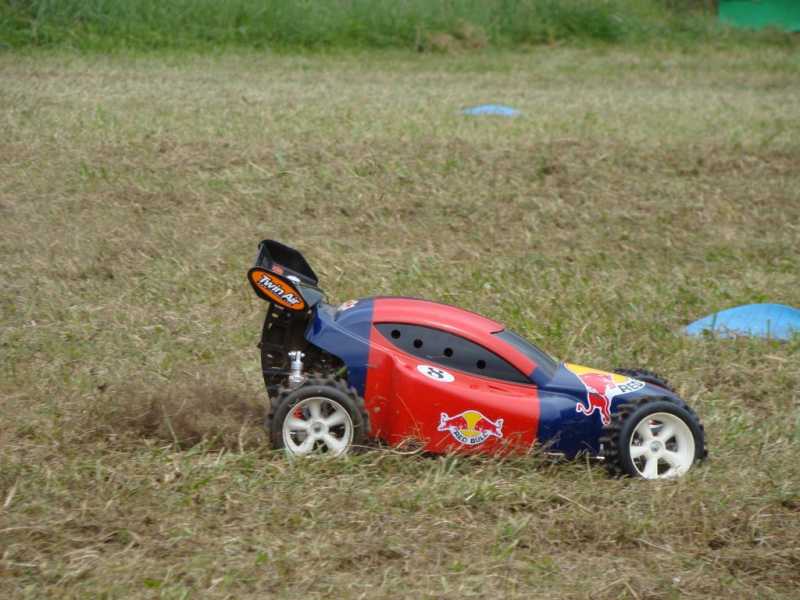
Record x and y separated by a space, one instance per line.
470 427
601 389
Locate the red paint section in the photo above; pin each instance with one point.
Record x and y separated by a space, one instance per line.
404 403
433 314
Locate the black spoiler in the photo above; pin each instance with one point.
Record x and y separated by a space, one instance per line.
282 276
271 253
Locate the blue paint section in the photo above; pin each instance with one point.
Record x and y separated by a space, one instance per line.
345 334
652 391
539 376
562 428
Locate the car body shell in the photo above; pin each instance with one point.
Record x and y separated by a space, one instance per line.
396 354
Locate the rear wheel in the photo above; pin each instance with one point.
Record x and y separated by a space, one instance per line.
653 438
322 416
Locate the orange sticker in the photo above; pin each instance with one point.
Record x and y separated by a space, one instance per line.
276 289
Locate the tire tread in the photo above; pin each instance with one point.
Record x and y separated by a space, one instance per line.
610 438
318 380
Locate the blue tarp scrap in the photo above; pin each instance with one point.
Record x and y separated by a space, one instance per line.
777 321
492 109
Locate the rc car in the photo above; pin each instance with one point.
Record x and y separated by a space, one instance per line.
408 372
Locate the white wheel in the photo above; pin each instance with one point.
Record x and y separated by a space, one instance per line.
661 446
317 425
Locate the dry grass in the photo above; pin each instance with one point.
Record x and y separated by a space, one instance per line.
637 192
184 412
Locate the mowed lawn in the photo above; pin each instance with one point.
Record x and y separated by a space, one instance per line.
639 190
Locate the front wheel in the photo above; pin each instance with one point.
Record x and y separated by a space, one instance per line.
322 416
653 438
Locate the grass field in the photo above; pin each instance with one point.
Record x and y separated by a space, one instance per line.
639 190
438 25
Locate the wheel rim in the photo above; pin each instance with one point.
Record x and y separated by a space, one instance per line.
662 446
317 426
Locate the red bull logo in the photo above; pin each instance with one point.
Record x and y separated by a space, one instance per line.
601 389
470 427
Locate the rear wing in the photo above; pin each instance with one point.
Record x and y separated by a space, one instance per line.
282 277
288 260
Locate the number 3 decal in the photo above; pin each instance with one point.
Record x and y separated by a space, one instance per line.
435 373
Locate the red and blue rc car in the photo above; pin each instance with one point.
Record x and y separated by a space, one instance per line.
397 369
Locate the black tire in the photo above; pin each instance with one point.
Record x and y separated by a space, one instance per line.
335 393
618 434
647 376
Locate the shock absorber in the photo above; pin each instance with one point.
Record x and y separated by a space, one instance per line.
296 376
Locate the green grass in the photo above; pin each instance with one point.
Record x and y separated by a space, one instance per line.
422 24
639 190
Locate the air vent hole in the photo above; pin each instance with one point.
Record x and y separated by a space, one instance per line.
395 333
481 364
448 352
417 343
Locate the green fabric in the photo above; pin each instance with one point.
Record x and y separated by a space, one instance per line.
756 14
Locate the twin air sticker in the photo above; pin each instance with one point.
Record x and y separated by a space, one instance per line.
435 373
470 427
601 389
275 289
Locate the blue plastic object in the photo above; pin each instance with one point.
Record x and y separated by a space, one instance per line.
776 321
492 109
